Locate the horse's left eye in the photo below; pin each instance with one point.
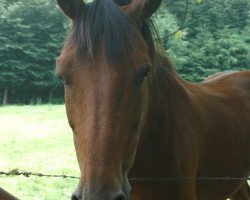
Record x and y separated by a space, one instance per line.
122 2
143 74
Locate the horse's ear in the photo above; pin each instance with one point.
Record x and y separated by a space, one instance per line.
72 8
151 7
141 9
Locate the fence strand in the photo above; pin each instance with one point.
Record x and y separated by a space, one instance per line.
16 172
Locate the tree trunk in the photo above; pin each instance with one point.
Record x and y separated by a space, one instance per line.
51 95
5 96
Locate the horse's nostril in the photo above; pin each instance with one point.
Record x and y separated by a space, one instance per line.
120 197
73 197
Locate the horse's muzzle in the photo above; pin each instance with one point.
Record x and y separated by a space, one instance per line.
105 196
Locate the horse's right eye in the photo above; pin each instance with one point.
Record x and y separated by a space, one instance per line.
62 80
142 74
61 74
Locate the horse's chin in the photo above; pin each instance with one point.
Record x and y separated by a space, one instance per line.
81 194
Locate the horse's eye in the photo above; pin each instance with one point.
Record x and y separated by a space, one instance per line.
62 80
143 74
122 2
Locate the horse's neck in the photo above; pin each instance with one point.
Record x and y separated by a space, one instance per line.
170 94
169 97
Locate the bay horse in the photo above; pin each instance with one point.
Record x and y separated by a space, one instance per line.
133 116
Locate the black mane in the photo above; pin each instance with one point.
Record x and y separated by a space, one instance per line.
103 22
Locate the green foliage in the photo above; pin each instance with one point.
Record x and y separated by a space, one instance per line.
215 37
31 33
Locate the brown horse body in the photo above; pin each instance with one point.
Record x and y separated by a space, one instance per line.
210 126
134 117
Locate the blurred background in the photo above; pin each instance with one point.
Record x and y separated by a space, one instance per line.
215 37
34 133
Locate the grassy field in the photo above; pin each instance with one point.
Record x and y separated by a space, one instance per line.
37 139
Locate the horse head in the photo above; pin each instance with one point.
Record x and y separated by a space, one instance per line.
105 65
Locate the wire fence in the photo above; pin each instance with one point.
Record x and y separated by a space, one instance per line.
16 172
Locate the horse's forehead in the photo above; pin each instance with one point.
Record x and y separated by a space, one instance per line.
127 64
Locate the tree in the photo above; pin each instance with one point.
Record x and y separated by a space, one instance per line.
215 37
8 50
31 35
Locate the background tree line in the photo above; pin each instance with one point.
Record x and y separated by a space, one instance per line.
31 34
216 37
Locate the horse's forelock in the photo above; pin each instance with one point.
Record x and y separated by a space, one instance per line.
104 22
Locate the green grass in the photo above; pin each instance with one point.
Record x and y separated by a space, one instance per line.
37 139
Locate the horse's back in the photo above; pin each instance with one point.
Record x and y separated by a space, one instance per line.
218 75
232 89
230 79
226 100
223 104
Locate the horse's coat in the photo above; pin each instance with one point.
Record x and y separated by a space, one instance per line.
133 116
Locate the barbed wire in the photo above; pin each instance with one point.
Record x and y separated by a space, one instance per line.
16 172
153 179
